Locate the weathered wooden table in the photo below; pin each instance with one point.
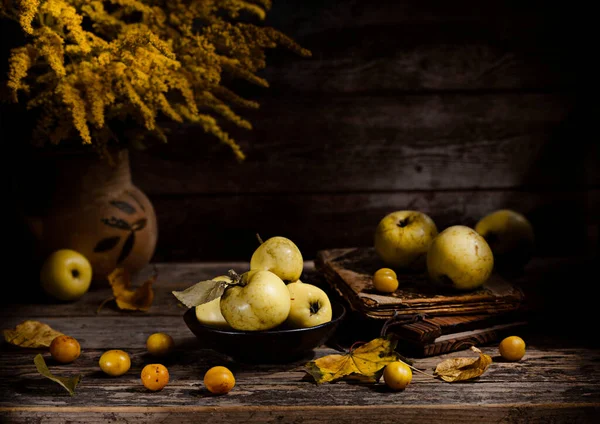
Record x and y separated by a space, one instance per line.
555 382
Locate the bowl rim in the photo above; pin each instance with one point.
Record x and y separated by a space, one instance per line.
232 332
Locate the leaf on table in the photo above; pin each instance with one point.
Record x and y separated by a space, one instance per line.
201 292
460 369
69 383
365 363
139 299
33 334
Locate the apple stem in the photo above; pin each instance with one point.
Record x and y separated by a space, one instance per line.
260 240
403 222
237 278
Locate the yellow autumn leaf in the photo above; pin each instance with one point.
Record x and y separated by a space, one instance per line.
139 299
460 369
33 334
365 363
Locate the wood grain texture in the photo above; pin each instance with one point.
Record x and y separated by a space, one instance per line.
264 384
211 227
365 143
402 104
32 302
263 389
557 380
516 413
363 46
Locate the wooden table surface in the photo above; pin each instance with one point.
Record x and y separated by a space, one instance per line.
555 382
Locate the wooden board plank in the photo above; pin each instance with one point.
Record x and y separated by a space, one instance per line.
384 414
414 46
124 331
530 381
324 144
350 272
32 303
542 277
211 227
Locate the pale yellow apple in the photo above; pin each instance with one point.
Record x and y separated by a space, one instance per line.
402 239
510 236
310 305
459 257
262 303
66 275
280 256
210 313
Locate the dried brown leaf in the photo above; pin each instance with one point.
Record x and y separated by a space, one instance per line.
33 334
139 299
460 369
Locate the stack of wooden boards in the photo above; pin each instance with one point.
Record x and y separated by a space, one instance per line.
427 320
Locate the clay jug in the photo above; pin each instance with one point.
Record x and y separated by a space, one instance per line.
90 205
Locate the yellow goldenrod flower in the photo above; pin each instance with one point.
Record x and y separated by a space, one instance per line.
140 61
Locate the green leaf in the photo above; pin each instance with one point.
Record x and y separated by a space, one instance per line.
201 292
68 383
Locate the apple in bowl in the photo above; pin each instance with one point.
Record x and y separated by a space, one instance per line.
260 302
279 255
277 345
310 305
209 313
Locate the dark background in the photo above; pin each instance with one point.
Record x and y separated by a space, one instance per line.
452 108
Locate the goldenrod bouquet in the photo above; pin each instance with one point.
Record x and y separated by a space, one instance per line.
89 67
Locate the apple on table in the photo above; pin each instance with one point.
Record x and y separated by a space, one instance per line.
66 275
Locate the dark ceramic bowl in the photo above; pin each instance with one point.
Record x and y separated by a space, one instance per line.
277 345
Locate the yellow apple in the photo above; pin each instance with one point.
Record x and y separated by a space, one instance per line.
402 239
459 257
280 256
210 313
510 236
262 302
66 275
310 305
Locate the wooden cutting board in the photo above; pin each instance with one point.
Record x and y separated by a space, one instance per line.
350 271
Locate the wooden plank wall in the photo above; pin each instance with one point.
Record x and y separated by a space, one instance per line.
452 108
